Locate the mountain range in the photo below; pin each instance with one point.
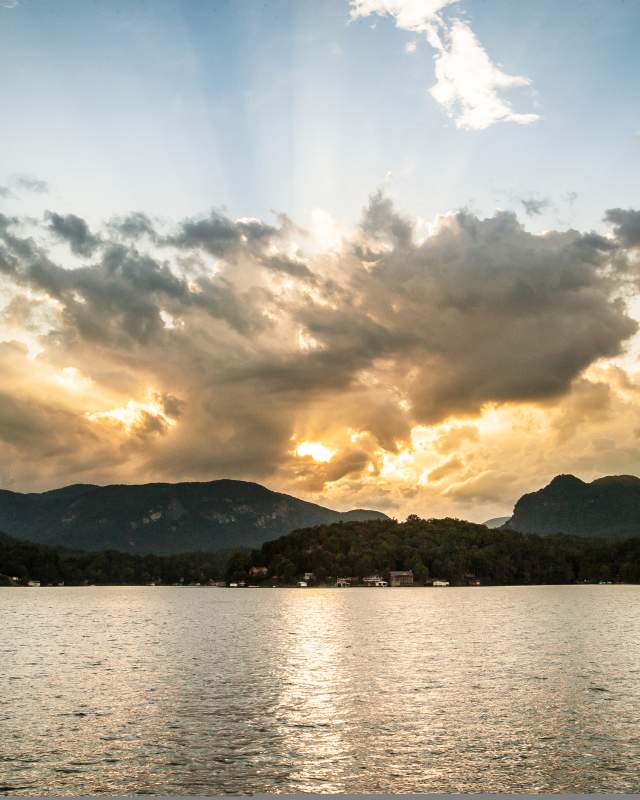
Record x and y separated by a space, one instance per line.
162 518
608 508
166 518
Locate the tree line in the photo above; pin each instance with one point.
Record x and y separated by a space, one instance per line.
451 549
52 565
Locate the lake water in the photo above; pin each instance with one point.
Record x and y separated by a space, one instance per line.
202 691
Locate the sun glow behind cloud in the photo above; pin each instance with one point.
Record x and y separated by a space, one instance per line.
317 451
73 380
136 415
390 370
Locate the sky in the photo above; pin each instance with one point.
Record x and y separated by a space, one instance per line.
372 253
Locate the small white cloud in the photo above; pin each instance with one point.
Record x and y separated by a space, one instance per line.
467 81
411 15
410 47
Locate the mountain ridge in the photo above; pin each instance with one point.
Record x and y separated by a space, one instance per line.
161 517
607 507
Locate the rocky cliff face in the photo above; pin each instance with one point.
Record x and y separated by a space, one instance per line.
607 507
162 518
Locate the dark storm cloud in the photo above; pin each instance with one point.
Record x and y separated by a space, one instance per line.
500 314
388 333
315 476
381 221
220 236
31 427
121 297
626 225
74 231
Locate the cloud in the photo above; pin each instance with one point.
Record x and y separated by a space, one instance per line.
626 225
444 469
455 296
411 15
133 226
28 183
23 183
534 207
214 347
468 83
74 231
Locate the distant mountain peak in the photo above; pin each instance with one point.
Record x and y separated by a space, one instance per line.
608 507
566 479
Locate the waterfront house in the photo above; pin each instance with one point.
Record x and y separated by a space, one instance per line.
374 580
343 583
401 577
308 576
258 572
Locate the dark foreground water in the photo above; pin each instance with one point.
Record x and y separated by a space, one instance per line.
170 690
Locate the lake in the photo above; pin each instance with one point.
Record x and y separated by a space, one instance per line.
199 691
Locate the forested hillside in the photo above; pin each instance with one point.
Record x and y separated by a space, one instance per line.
442 548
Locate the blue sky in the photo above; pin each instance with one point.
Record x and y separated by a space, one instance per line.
174 107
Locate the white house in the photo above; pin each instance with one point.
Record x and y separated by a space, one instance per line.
374 580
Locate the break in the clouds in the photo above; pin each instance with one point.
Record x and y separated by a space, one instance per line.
469 85
379 370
